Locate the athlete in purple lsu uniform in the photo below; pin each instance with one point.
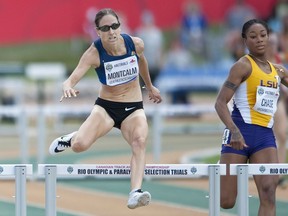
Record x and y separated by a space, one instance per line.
253 84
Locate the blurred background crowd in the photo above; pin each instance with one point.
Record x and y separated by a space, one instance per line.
189 44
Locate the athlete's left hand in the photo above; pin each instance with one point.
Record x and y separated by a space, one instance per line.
154 95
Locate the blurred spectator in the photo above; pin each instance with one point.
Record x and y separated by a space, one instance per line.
153 39
193 26
180 60
178 56
274 47
238 14
89 27
124 25
235 44
284 40
279 10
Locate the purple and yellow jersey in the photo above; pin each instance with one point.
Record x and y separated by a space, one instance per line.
255 100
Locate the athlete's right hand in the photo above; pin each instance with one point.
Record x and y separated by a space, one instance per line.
237 141
68 93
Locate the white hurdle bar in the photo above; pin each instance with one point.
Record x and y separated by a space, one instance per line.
243 171
52 171
20 172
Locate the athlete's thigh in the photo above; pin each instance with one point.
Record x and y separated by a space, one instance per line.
97 124
135 126
229 182
267 155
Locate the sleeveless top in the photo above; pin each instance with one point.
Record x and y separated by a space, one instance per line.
255 100
117 70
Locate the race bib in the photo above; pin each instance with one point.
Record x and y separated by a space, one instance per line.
121 71
266 100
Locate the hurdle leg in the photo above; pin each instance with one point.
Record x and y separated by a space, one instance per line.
41 129
157 135
50 189
20 188
242 187
24 144
214 190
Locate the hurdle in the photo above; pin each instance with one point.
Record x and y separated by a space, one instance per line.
243 171
52 171
20 172
20 114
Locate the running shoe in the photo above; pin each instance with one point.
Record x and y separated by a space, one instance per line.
61 143
138 198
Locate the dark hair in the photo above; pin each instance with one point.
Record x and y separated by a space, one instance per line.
102 13
251 22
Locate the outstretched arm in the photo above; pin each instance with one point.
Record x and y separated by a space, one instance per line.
89 58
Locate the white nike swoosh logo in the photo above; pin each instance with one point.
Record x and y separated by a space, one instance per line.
130 108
